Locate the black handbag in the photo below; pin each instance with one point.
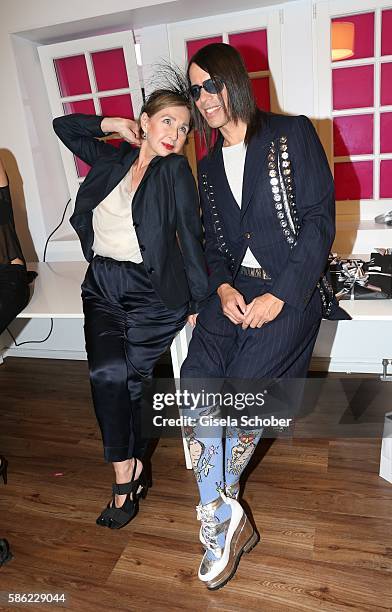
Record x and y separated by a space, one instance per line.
5 553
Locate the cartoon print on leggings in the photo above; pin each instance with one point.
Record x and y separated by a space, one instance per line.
201 464
196 447
241 452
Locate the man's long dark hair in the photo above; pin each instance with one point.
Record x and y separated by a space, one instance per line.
223 62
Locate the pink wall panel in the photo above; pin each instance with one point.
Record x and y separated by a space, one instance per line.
262 93
72 75
352 87
364 34
386 84
194 45
353 135
117 106
81 106
81 167
253 48
116 142
200 148
110 70
354 180
386 179
386 36
386 132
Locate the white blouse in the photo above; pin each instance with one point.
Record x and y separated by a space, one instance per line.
114 234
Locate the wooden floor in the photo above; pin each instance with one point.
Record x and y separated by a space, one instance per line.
323 513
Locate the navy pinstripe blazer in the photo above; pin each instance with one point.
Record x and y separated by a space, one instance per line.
287 216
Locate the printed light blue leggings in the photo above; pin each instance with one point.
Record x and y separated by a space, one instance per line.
219 455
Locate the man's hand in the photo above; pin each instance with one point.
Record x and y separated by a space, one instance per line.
126 128
262 309
192 319
233 304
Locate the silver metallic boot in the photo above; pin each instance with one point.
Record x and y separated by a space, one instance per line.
239 537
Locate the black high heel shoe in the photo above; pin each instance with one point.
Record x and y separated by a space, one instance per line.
116 518
3 468
5 553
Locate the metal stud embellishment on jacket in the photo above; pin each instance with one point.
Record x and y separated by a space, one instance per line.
222 246
283 192
279 171
326 294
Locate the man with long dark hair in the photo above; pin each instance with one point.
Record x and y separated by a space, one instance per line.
267 199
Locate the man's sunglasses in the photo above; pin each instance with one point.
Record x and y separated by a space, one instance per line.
209 85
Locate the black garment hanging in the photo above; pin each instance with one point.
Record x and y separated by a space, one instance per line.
10 248
14 278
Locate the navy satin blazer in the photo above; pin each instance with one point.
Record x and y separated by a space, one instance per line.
287 216
165 209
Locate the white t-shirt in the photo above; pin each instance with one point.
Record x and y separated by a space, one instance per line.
234 161
114 234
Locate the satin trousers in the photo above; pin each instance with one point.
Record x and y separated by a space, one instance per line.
127 328
14 293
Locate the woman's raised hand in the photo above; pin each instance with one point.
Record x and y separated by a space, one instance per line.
126 128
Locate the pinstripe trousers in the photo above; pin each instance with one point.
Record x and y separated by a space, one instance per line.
281 348
223 355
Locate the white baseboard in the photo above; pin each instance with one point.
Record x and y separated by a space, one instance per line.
44 354
365 366
318 364
56 354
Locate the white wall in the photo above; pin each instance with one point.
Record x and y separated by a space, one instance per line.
154 45
48 169
297 59
16 151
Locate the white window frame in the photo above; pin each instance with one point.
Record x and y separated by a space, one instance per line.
87 46
323 86
232 23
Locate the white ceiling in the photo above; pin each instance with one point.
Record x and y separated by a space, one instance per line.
168 12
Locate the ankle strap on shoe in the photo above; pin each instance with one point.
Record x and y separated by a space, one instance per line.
127 487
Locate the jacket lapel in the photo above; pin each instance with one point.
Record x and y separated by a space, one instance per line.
120 168
217 174
106 175
254 160
254 163
150 169
102 179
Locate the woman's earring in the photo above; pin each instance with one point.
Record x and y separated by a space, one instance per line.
144 135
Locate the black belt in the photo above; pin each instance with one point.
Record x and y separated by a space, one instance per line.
254 272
